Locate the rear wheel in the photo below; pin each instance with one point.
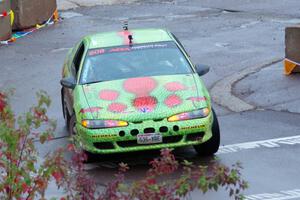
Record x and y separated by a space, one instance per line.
90 157
211 146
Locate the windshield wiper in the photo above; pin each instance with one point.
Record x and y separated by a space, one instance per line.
88 83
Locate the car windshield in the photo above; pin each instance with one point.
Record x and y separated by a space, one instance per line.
152 59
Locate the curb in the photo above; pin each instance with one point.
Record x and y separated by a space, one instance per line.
221 92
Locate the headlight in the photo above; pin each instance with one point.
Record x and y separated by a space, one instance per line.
102 123
190 115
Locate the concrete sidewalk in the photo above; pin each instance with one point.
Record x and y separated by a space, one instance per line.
270 89
72 4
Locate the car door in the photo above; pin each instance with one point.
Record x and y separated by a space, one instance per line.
74 70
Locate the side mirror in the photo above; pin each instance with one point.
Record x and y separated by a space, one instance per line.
68 82
202 69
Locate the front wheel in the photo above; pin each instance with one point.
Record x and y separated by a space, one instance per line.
211 146
90 157
72 125
66 116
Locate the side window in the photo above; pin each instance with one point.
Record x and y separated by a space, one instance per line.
180 45
77 60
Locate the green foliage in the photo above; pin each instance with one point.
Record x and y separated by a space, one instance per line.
24 176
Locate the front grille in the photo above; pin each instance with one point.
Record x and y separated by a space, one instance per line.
137 122
103 145
134 132
149 130
129 143
163 129
166 140
172 139
195 136
158 120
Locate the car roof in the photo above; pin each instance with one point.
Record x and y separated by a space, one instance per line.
140 36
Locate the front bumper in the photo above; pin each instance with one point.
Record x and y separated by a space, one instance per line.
123 139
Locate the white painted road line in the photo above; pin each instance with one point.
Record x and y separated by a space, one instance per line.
271 143
233 148
282 195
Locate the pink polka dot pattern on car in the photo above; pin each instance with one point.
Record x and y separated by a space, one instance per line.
145 104
124 34
108 95
117 107
197 99
175 86
172 101
140 86
90 110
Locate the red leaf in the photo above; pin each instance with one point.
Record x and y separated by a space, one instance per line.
50 137
57 176
2 102
151 181
70 147
4 14
24 187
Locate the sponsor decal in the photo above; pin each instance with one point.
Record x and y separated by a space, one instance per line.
193 127
120 49
107 50
145 110
150 46
96 52
105 136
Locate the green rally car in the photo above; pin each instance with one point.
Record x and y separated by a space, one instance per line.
136 90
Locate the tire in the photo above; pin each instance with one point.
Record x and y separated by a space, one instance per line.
211 146
71 125
66 116
90 157
65 111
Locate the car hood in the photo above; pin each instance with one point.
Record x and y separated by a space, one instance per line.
143 98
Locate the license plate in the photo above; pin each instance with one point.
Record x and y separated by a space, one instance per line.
149 138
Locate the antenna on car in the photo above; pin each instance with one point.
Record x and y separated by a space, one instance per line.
125 25
130 38
125 28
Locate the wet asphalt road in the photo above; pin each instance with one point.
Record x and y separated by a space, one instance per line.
227 35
